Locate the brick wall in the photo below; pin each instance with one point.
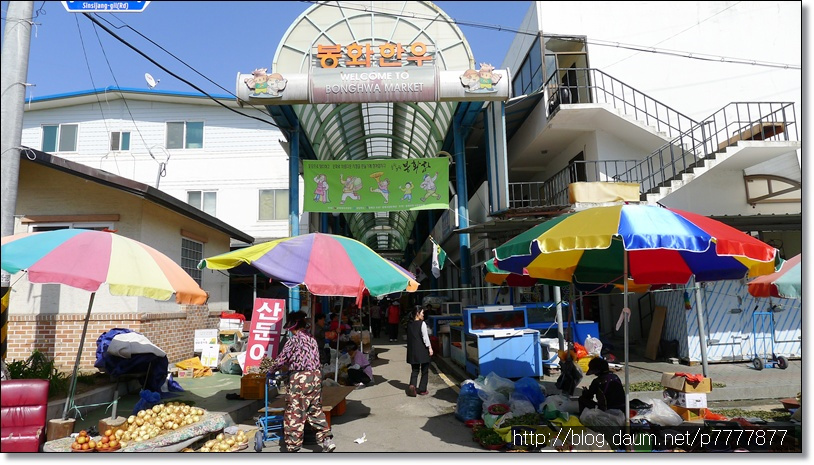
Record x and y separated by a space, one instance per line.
57 336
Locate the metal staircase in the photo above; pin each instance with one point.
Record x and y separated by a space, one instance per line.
695 146
709 142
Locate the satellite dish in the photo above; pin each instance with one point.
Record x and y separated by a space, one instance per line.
150 81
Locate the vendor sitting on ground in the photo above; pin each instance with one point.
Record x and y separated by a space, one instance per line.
607 388
360 373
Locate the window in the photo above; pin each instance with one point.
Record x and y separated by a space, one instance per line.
120 141
39 227
191 255
206 201
59 137
185 135
273 204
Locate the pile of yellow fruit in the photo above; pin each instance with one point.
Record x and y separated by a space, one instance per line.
225 443
149 423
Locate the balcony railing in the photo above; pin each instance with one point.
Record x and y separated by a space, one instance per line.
554 191
589 85
739 121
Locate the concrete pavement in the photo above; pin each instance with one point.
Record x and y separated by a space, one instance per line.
392 422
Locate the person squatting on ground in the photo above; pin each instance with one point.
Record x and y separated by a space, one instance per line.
419 351
301 356
607 388
360 373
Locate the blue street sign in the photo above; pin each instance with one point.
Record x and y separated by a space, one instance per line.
105 7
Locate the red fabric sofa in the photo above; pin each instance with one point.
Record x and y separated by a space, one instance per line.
23 410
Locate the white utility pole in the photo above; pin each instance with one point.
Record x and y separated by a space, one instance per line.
13 73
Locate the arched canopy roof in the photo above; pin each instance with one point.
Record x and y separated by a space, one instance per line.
360 131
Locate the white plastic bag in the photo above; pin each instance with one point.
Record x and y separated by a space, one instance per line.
661 414
498 383
490 398
593 345
598 417
520 404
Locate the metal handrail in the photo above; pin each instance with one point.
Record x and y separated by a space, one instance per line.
595 86
737 121
734 122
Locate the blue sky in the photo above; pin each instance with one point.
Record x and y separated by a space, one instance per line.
218 39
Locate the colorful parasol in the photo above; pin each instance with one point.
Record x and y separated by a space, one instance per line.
662 245
786 282
651 244
86 259
326 264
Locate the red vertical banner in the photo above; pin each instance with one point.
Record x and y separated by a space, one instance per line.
264 335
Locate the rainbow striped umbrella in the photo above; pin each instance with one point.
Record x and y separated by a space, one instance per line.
86 259
651 244
786 283
326 264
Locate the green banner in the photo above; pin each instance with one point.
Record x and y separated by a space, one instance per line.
376 185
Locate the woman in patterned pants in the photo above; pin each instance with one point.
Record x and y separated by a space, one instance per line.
301 355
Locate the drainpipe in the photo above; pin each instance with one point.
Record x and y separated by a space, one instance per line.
294 200
463 206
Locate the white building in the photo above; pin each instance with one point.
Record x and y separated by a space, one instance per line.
229 165
587 107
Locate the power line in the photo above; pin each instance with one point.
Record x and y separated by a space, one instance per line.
175 75
177 58
678 33
597 42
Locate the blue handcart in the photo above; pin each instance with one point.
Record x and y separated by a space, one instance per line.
270 426
759 320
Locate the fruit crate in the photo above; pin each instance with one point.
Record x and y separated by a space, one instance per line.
252 386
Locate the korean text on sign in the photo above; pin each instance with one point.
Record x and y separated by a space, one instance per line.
389 54
264 335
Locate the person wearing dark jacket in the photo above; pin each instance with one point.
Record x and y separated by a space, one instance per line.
419 352
607 388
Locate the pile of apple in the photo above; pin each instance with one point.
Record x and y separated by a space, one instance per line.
110 441
149 423
83 442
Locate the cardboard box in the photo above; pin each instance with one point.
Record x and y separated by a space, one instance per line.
686 399
679 383
187 373
690 414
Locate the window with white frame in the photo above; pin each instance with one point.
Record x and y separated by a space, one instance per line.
206 201
120 141
38 227
59 137
191 255
273 204
185 134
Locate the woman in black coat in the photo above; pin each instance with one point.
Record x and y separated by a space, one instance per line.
419 352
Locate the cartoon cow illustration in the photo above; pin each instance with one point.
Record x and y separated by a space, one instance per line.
265 85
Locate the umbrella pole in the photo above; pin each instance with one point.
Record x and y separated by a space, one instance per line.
338 332
558 299
627 356
69 399
699 313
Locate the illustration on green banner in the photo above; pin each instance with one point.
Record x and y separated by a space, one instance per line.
366 186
